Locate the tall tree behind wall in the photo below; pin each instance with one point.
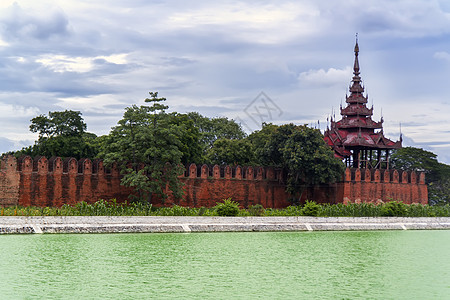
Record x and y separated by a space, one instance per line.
214 129
301 152
147 145
437 175
61 133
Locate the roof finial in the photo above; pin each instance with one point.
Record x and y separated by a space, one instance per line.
356 65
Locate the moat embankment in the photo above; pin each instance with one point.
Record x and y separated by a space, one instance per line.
132 224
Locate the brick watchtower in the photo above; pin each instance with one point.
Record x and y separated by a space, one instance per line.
353 138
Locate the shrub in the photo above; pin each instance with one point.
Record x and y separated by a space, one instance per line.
311 208
351 210
177 210
442 211
419 210
394 209
228 208
292 210
256 210
202 210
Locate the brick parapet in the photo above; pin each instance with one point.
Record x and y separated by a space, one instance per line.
384 186
54 182
9 182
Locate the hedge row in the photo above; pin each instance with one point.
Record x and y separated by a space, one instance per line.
230 208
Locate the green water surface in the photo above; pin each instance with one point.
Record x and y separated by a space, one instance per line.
275 265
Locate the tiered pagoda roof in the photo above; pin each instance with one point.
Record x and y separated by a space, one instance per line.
356 129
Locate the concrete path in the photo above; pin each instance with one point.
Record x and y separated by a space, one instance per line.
104 224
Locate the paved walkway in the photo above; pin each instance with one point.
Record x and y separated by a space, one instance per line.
104 224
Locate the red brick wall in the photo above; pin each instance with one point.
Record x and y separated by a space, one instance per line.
54 182
376 186
204 186
9 182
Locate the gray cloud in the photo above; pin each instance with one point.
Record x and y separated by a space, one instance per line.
8 144
216 57
18 24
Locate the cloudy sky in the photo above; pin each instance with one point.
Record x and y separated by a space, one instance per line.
253 61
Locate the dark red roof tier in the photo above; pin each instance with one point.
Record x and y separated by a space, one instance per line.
357 122
356 98
356 129
342 138
356 110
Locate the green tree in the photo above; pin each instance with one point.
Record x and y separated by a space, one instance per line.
190 140
439 192
61 133
268 143
147 146
59 123
301 152
417 159
65 146
437 175
212 129
230 152
308 160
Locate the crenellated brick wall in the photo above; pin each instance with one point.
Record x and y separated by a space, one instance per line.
374 186
9 182
205 185
54 182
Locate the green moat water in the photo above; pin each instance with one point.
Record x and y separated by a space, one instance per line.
275 265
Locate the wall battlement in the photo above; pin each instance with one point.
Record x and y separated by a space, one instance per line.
236 172
388 176
56 181
57 165
375 186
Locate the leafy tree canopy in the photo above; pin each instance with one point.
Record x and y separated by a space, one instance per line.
268 143
61 133
148 144
417 159
59 123
437 175
231 152
190 139
300 151
212 129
